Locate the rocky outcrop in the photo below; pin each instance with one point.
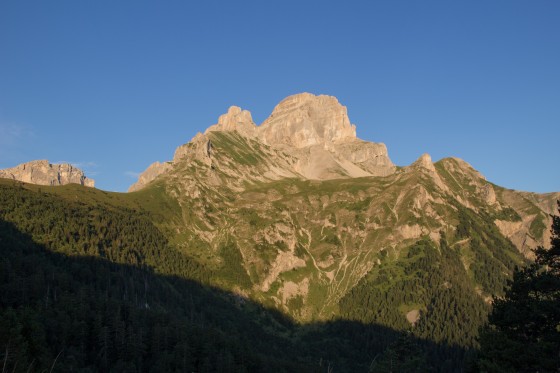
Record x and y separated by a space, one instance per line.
425 161
298 121
44 173
370 157
152 172
313 132
316 130
236 120
424 164
305 119
487 193
457 165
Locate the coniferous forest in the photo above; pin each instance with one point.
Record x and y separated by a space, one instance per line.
91 287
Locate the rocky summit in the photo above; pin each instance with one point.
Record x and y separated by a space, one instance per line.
42 172
305 120
307 136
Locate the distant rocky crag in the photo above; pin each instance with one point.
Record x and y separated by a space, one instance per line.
42 172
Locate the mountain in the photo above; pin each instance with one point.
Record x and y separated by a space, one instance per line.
310 138
44 173
293 234
300 214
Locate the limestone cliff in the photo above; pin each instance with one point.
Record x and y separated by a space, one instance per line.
306 136
236 120
304 119
153 171
44 173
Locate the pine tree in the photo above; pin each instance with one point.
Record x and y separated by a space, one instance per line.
523 331
404 355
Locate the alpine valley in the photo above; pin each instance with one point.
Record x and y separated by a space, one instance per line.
291 246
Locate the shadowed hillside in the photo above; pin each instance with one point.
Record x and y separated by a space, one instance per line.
90 314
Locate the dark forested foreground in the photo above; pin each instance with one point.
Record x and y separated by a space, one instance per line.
91 287
523 330
65 304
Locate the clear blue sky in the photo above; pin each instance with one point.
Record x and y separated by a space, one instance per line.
115 85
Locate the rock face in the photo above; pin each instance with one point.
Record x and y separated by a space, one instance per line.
371 157
304 119
153 171
312 134
44 173
236 120
425 161
298 121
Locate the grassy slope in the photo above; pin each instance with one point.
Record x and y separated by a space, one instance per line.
339 226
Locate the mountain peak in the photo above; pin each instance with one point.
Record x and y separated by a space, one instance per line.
235 119
306 136
305 119
425 161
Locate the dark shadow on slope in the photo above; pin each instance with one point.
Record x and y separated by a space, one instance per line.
90 314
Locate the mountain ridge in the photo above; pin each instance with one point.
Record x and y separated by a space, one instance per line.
309 224
267 156
314 130
42 172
